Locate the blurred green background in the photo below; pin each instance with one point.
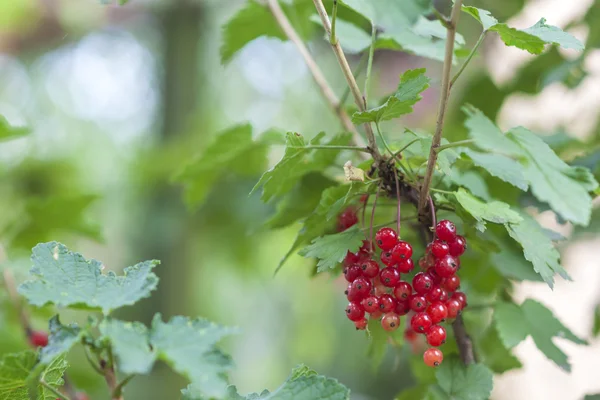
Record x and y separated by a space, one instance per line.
120 98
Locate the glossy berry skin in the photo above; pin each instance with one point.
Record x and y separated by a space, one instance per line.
458 247
453 307
434 294
422 283
446 266
351 259
387 259
389 276
38 339
369 268
433 357
452 283
402 291
417 302
445 230
402 251
376 315
436 336
352 272
361 324
439 249
361 287
421 322
354 311
386 239
390 322
461 297
434 275
405 266
370 304
437 311
347 219
444 296
352 295
387 303
402 308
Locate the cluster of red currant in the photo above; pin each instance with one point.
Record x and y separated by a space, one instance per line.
381 292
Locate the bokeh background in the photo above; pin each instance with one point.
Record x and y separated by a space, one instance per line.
119 98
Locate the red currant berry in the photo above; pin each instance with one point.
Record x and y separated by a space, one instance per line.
402 251
433 357
354 311
451 283
390 322
386 303
434 294
361 324
389 276
436 335
439 249
444 296
347 219
423 262
406 265
410 335
387 259
422 283
461 297
352 272
453 307
370 304
365 247
369 268
421 322
446 266
376 315
386 238
351 259
437 311
38 339
458 247
417 302
445 230
351 294
361 287
363 199
402 291
402 308
434 275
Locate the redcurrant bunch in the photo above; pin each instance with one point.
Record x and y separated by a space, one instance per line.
379 290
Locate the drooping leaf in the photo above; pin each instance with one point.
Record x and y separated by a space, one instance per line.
472 181
188 346
500 166
15 370
494 355
412 83
537 248
514 323
61 339
130 343
67 279
484 17
331 249
493 211
487 135
303 384
8 132
456 381
390 13
509 261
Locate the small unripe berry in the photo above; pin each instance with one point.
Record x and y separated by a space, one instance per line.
433 357
386 238
361 324
390 322
38 339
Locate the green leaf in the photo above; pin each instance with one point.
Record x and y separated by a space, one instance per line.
331 249
412 83
188 346
67 279
414 393
486 134
255 20
514 323
554 35
493 211
471 180
14 376
352 38
484 17
297 162
302 384
389 13
592 397
8 132
473 382
130 342
537 248
61 339
596 325
494 355
510 263
500 166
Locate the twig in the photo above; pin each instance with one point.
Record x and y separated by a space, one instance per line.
372 220
433 217
458 143
110 376
328 147
358 98
463 341
437 137
54 392
314 69
117 392
370 64
406 146
356 73
469 57
398 200
333 39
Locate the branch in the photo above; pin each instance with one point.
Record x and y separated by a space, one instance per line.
463 341
314 69
358 97
437 137
111 377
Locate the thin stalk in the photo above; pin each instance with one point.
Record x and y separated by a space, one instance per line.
373 220
469 57
458 143
327 147
119 389
398 200
370 64
383 139
442 191
356 73
54 392
406 147
95 366
333 39
442 18
433 217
